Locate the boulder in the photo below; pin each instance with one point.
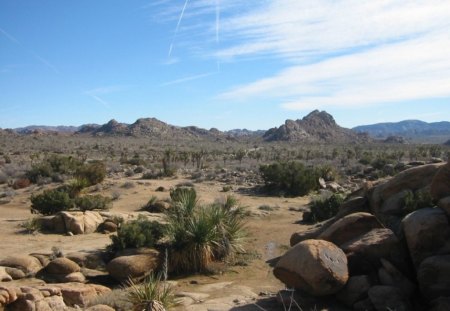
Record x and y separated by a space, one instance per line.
8 295
80 294
57 224
388 298
440 304
349 227
355 290
28 264
433 276
63 266
135 267
388 274
315 266
440 185
74 222
87 260
4 276
353 205
364 252
444 204
73 277
395 203
427 232
107 226
15 273
91 221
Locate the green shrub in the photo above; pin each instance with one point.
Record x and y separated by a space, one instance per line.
94 173
201 234
93 202
414 201
291 178
137 233
51 202
323 208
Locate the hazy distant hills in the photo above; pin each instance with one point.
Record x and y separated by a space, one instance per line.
413 130
316 127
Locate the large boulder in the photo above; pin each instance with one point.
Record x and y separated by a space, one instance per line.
90 260
388 298
81 294
355 290
28 264
364 252
315 266
4 276
135 267
74 222
444 204
62 265
427 232
91 221
388 274
434 277
349 227
440 185
411 179
7 295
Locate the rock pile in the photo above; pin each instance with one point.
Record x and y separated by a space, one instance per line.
387 249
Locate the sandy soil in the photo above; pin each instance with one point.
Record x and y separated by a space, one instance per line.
269 233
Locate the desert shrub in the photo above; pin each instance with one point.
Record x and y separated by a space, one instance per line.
199 235
227 188
53 166
137 233
38 171
150 203
151 175
51 202
75 187
31 225
93 202
142 296
417 200
323 208
128 185
94 173
291 178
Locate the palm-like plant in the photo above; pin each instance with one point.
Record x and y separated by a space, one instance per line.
149 295
202 234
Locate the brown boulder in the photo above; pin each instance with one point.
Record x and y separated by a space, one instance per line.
28 264
4 276
364 252
107 227
388 298
349 227
91 221
427 232
74 222
135 267
8 295
15 273
315 266
87 260
80 294
440 185
388 274
355 290
434 277
444 204
62 265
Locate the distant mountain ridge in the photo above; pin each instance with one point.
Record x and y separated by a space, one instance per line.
316 127
410 129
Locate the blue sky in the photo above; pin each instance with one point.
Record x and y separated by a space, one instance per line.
223 63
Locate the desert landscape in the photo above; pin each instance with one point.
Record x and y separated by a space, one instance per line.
316 216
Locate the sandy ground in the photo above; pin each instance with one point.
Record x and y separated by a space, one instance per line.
268 232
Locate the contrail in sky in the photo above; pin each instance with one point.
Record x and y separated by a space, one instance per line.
10 37
178 27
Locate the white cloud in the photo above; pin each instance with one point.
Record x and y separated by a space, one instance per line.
344 53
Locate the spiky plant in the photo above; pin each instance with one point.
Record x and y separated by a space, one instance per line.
151 293
201 234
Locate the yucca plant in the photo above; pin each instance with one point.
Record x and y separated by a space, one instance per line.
201 234
151 293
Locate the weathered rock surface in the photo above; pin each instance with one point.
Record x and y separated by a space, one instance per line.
349 227
135 267
427 232
440 185
388 298
87 260
28 264
4 276
80 294
388 274
444 204
315 266
62 265
355 290
434 277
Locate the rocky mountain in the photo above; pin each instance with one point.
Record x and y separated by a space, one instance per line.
316 127
410 129
32 129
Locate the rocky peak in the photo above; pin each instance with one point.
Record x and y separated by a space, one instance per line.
317 117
